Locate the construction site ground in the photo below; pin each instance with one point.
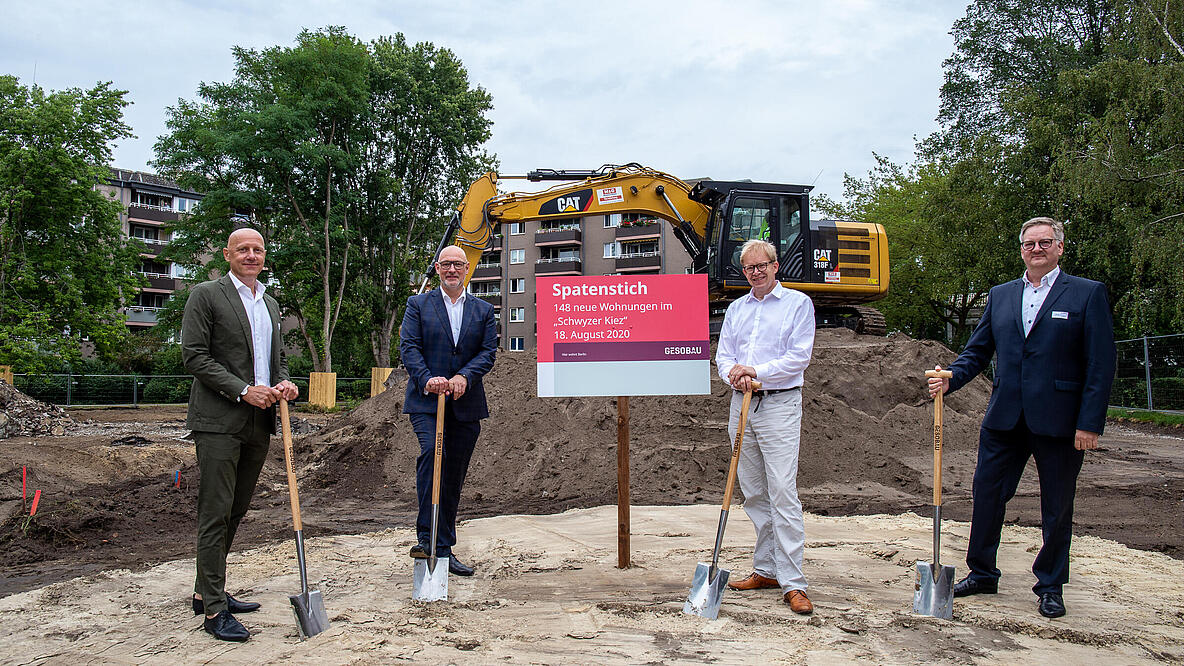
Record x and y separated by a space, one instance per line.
102 572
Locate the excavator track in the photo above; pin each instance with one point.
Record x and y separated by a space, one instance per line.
862 319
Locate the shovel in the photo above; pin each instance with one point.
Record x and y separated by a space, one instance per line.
431 575
308 606
934 593
707 585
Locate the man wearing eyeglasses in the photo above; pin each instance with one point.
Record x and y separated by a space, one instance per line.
768 335
448 343
1053 338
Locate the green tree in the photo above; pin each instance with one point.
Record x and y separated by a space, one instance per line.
65 268
345 157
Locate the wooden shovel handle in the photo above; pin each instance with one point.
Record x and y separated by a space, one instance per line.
731 483
937 426
286 427
439 459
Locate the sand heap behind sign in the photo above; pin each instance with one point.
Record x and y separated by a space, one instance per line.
865 410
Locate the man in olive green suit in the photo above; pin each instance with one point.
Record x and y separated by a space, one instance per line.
230 342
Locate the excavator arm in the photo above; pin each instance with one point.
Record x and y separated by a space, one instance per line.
630 188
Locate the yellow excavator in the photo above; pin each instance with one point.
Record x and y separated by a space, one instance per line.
840 264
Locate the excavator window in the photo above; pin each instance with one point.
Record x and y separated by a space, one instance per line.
790 242
751 218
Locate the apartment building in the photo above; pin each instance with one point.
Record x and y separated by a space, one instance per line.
151 205
596 245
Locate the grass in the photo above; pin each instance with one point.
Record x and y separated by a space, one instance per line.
1171 419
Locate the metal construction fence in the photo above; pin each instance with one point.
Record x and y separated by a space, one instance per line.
1150 373
117 390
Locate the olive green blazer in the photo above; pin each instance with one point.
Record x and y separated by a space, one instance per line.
216 349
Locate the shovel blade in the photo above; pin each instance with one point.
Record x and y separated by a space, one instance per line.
934 594
706 592
431 583
309 609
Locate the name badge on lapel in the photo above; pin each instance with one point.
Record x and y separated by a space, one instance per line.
1060 314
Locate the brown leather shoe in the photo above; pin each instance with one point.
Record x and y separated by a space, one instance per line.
799 602
754 581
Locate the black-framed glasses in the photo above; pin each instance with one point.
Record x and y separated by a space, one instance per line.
454 265
757 268
1044 243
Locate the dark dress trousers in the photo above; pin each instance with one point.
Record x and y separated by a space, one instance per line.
427 351
1047 385
232 436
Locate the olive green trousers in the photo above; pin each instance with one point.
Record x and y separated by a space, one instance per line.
229 464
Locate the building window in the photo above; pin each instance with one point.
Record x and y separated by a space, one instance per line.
517 314
517 344
515 229
611 250
517 256
611 221
518 285
564 253
645 248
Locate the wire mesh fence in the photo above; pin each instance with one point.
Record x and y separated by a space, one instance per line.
71 390
1150 373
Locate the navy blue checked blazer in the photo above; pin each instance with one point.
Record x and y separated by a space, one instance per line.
427 351
1059 376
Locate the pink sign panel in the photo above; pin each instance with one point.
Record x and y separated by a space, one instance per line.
623 335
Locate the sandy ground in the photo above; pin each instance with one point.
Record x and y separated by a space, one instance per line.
547 591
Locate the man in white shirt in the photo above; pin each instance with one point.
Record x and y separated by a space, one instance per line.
768 336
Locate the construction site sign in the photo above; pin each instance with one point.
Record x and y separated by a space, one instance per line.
623 335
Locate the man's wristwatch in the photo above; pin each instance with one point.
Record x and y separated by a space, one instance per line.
243 394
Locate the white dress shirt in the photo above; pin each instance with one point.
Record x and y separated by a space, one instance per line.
1034 297
456 313
774 335
260 320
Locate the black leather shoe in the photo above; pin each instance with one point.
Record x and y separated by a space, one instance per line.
224 627
233 605
1052 605
968 586
457 568
420 552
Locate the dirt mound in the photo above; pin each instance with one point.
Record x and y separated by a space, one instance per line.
21 415
865 410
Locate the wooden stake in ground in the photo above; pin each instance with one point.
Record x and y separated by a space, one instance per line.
623 482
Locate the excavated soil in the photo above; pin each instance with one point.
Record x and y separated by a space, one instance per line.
111 498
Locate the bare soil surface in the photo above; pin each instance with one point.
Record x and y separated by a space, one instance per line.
111 499
547 592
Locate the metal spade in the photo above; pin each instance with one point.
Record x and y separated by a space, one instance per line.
431 574
709 581
308 606
934 593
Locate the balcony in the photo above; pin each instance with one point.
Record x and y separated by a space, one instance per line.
491 297
640 261
152 213
160 281
562 236
151 247
653 230
560 266
140 316
486 271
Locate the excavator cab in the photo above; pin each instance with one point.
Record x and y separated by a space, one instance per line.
743 211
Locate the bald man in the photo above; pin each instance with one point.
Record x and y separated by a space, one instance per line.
448 341
230 342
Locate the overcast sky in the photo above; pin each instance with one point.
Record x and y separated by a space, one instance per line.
791 91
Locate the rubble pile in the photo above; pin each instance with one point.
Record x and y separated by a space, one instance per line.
22 416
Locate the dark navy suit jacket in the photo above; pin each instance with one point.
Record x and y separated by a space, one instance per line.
1060 375
427 351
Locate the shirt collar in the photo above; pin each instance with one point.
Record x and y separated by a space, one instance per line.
239 285
464 293
1048 280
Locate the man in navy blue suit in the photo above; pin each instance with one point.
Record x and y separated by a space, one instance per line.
448 343
1053 338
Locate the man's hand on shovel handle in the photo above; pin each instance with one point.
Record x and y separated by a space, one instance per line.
261 396
937 384
437 385
741 376
457 386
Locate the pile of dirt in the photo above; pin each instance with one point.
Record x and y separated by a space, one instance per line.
21 415
865 409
